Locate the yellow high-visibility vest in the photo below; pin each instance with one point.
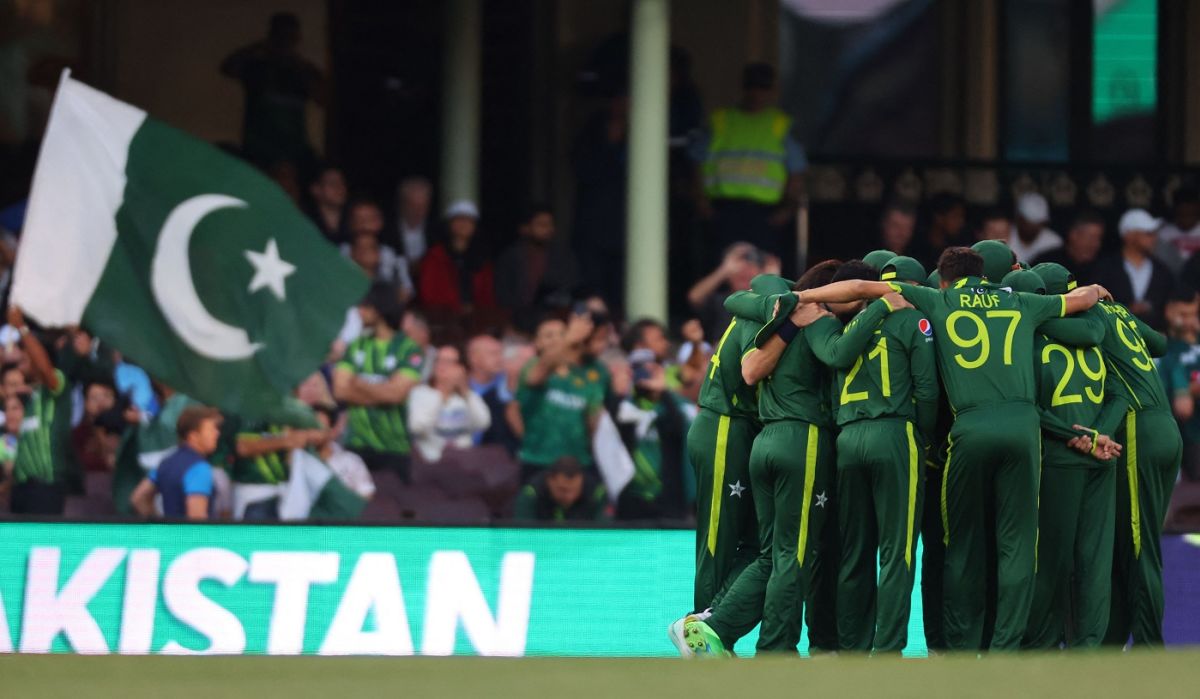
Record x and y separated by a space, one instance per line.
746 155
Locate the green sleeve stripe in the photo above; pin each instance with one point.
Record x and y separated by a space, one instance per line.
1063 312
411 373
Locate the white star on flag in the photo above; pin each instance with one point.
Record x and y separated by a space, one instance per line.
269 270
821 499
736 489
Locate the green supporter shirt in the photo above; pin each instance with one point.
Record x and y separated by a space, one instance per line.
1129 348
1178 367
647 453
724 391
380 428
40 449
984 338
1073 390
895 377
272 467
800 386
556 415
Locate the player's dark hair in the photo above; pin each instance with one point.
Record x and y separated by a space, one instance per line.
192 417
386 302
819 274
944 202
855 269
1085 217
637 332
958 262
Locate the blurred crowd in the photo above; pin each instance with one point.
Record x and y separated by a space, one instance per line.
479 380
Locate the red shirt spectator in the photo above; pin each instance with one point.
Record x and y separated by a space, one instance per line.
454 275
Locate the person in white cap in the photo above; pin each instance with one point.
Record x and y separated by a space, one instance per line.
1134 276
1030 237
455 275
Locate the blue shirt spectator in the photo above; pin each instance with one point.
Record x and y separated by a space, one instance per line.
184 478
132 381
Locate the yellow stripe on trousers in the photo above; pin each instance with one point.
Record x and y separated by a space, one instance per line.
945 509
714 512
1135 515
913 461
810 476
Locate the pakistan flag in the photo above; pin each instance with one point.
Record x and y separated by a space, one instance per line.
187 260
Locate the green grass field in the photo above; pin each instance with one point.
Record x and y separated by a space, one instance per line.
1145 674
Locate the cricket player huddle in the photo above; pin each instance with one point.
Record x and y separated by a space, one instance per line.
1014 423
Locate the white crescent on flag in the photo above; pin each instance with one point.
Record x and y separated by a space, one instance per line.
175 291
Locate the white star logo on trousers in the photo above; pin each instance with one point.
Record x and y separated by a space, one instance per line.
821 499
736 489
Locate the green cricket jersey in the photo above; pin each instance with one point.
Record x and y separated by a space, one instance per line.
1072 391
984 339
647 452
1129 347
724 391
1178 367
800 386
380 428
272 468
895 377
556 415
39 448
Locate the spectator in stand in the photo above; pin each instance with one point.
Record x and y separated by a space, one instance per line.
14 416
897 224
598 233
416 326
184 478
537 266
563 492
40 470
455 275
557 406
90 447
1029 236
263 448
486 377
346 465
414 201
651 335
741 263
751 166
1084 240
445 412
327 207
1179 240
947 228
366 219
374 379
278 84
1134 276
653 422
1180 371
994 224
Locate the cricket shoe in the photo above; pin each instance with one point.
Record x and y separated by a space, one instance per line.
675 632
702 640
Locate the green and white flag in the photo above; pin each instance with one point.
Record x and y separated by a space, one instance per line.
190 262
314 492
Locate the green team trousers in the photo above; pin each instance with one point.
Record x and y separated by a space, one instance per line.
879 485
1075 549
1146 476
933 555
992 467
726 529
789 472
